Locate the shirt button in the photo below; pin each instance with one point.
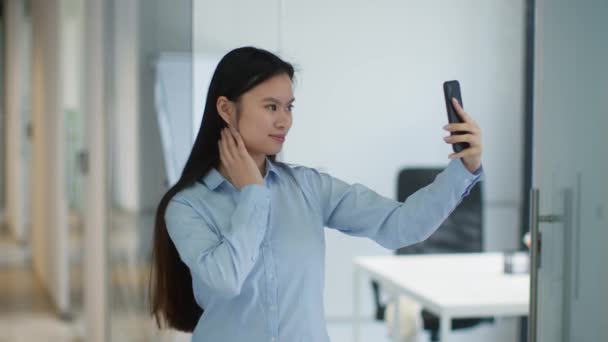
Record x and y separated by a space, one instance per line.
272 339
272 308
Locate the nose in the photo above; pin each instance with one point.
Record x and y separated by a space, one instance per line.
284 120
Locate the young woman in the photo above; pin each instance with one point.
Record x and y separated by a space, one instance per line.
241 235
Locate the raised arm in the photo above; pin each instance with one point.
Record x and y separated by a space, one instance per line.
359 211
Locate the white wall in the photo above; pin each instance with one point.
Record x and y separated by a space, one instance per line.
570 124
49 205
392 58
2 121
369 89
97 40
142 30
165 26
71 32
125 94
15 145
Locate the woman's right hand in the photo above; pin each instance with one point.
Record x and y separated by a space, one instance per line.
236 161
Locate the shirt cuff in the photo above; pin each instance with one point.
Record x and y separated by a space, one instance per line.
478 175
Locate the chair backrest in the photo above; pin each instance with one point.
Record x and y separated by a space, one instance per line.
461 232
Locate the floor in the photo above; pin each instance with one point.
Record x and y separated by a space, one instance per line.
26 311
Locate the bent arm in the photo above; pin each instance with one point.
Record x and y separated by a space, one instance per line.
221 262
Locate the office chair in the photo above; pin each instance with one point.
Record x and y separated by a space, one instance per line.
461 232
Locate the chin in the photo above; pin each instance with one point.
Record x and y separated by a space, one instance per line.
270 150
273 151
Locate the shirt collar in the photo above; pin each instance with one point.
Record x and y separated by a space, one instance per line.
214 178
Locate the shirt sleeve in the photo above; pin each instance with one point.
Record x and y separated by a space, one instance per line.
359 211
221 261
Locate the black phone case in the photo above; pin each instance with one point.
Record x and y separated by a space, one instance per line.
452 89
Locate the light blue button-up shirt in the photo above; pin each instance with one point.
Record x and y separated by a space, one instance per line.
257 256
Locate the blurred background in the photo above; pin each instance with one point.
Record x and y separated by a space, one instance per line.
101 101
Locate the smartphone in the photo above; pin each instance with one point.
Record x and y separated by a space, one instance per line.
452 89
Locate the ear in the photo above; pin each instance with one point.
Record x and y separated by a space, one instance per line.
226 109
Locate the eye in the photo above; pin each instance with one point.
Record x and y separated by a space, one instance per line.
290 108
272 107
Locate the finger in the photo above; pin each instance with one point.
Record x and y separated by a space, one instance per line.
469 138
220 145
224 143
232 142
471 151
239 140
462 127
222 154
464 115
232 130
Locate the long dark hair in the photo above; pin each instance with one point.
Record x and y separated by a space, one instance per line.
240 70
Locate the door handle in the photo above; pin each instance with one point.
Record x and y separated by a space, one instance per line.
535 247
550 218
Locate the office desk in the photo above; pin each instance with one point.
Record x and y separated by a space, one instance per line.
449 285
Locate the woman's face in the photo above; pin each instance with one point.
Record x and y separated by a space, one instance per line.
265 115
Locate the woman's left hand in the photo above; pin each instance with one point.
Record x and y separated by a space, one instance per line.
471 156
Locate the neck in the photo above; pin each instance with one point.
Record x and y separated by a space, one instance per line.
260 162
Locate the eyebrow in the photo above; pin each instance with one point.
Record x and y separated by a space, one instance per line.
276 100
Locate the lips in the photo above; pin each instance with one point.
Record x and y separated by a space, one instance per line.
279 138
